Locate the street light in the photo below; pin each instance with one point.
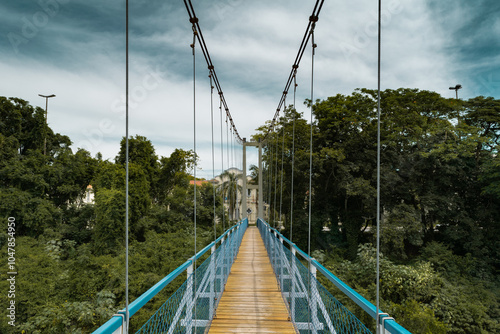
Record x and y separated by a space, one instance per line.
456 88
47 97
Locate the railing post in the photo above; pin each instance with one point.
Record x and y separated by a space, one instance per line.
189 294
213 264
227 252
234 235
293 283
313 294
123 328
266 236
233 242
274 258
231 250
265 233
222 255
271 244
383 318
236 240
281 254
269 240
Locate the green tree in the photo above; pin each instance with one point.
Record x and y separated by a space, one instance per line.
37 188
141 153
109 230
254 173
79 221
174 170
23 122
484 114
290 122
69 176
34 214
112 177
230 190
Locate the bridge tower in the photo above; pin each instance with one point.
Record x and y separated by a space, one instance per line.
260 204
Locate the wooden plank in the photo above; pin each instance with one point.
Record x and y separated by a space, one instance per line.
251 302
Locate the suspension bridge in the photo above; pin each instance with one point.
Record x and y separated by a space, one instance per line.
253 279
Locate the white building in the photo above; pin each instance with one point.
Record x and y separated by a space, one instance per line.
88 196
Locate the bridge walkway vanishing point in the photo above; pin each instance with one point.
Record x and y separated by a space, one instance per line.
252 302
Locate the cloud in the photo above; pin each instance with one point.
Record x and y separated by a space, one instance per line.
471 43
79 55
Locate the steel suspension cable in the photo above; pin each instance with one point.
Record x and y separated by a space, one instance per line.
310 167
222 166
195 164
233 156
269 179
228 153
312 21
268 172
230 142
234 185
378 164
127 314
282 160
213 147
293 153
195 22
275 178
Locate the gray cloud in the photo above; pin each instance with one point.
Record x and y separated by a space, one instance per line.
79 55
472 43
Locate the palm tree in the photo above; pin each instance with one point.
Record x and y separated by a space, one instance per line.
254 173
230 189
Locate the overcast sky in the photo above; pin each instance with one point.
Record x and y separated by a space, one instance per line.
76 50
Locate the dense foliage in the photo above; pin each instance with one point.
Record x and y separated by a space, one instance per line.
70 255
440 203
440 198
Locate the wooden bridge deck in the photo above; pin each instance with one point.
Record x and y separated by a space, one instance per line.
251 302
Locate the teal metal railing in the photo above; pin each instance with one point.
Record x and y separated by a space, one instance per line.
191 308
312 308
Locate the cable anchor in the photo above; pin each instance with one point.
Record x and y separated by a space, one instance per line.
195 33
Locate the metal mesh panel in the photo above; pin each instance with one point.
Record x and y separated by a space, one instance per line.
161 321
191 308
312 307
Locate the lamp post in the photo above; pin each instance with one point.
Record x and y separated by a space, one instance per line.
456 88
47 97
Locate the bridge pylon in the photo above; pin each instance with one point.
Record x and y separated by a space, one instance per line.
245 186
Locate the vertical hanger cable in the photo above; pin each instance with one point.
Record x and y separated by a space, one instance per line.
195 167
293 153
378 165
127 315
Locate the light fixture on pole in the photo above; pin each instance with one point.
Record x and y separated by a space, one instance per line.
47 97
456 88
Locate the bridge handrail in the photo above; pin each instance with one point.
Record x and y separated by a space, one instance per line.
116 321
390 324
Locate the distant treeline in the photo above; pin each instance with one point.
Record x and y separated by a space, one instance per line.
440 200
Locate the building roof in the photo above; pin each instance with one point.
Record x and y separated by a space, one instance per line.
200 182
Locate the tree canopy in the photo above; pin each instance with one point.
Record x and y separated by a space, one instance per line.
440 198
439 186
